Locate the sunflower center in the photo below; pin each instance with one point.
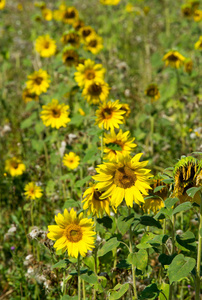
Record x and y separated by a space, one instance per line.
73 233
93 43
86 32
46 45
95 89
90 74
107 113
38 80
124 177
69 15
71 161
97 195
14 165
152 92
173 57
56 113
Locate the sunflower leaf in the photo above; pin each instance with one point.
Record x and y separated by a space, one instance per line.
192 191
81 182
182 207
118 291
108 246
158 188
150 221
150 291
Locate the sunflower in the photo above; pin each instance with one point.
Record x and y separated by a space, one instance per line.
27 96
152 91
117 145
86 31
126 178
88 72
38 82
70 57
2 4
45 46
187 174
153 204
14 166
174 59
71 38
94 43
109 115
69 15
198 44
110 2
186 10
33 191
57 15
126 108
71 160
73 233
55 114
94 204
197 15
47 14
96 91
188 66
78 24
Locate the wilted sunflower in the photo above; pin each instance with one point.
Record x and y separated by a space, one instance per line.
96 91
33 191
94 43
2 4
94 204
198 44
197 15
126 179
69 15
71 38
110 2
70 57
188 66
47 14
187 173
71 160
38 82
73 233
117 145
109 115
14 166
45 46
152 91
55 114
27 96
78 24
86 31
174 59
88 72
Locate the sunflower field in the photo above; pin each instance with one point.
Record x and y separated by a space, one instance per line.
101 149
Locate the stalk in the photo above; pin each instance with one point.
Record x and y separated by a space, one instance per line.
198 266
172 252
79 279
102 144
84 290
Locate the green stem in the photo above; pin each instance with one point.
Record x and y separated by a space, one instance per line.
133 267
95 270
102 144
84 290
79 279
172 252
31 212
198 266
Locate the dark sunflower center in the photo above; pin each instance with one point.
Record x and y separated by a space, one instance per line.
56 113
187 12
173 58
107 113
86 32
14 164
97 195
69 15
46 45
152 92
124 177
38 80
73 233
71 161
90 74
95 89
93 43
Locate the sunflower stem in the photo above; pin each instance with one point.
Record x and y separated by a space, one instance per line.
131 251
84 290
79 278
172 252
102 144
198 266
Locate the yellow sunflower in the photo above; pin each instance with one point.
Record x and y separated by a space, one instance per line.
188 66
153 204
73 233
2 4
71 160
14 166
94 204
38 82
45 46
27 96
71 38
55 114
110 2
78 24
126 108
117 145
96 91
47 14
198 44
126 179
109 115
94 43
69 15
152 91
33 191
88 72
174 59
86 31
70 57
198 15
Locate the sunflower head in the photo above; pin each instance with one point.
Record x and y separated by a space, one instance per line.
94 43
47 14
188 66
2 4
70 15
38 82
187 173
198 44
125 107
186 10
71 160
71 38
14 166
152 91
197 15
27 96
78 24
33 191
86 31
174 59
96 91
45 46
110 2
70 57
72 233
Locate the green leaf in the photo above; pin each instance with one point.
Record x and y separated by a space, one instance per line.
39 127
37 145
200 232
89 155
170 202
89 262
158 188
118 291
150 291
192 191
76 120
123 225
165 288
180 267
165 259
81 182
106 222
187 240
138 259
146 238
182 207
149 221
92 279
60 264
159 239
66 297
29 121
108 246
71 203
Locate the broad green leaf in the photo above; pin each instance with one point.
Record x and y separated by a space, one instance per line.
146 238
81 182
108 246
89 155
165 259
92 278
71 203
180 267
192 191
66 297
124 225
182 207
150 221
165 288
138 259
89 261
105 221
150 292
60 264
159 239
118 291
187 241
158 188
170 202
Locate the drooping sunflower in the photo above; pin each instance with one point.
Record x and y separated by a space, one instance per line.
187 174
69 15
197 15
73 233
126 179
27 96
94 43
14 166
188 66
86 31
198 44
88 72
47 14
96 91
55 114
109 115
71 160
152 91
94 204
33 191
110 2
118 145
71 38
70 57
38 82
2 4
45 46
174 59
